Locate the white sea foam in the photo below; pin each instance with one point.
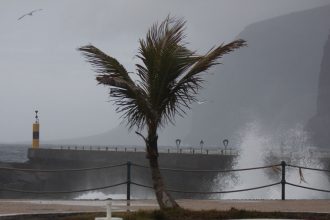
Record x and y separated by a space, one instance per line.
99 196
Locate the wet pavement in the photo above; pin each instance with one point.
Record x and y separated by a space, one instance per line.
14 207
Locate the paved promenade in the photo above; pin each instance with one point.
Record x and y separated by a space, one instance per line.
12 207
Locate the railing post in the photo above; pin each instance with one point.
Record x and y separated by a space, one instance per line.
128 189
283 181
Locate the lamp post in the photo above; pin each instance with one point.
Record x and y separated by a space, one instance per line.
225 143
201 144
178 142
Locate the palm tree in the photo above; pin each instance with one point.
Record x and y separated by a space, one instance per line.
166 83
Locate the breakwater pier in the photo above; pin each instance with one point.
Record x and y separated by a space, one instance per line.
115 171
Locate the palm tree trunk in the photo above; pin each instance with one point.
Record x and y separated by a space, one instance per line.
165 200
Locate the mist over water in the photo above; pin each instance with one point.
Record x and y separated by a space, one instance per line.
259 148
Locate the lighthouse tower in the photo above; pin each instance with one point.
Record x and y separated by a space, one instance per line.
35 132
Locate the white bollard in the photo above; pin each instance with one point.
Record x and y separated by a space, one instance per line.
108 217
109 204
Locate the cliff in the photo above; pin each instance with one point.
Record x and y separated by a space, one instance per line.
273 82
319 125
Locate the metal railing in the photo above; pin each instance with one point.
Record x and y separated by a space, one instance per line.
129 182
163 149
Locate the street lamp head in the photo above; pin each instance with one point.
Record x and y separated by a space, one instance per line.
201 143
178 142
225 142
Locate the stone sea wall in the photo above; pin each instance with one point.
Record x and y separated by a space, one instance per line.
75 159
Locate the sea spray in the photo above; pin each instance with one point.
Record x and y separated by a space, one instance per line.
257 148
252 146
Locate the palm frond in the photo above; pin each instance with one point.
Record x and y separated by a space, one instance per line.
184 92
210 59
129 97
103 63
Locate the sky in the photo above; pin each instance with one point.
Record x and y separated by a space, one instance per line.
40 67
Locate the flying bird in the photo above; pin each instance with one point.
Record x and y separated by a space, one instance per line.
30 13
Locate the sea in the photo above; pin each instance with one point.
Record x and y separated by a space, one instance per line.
13 153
